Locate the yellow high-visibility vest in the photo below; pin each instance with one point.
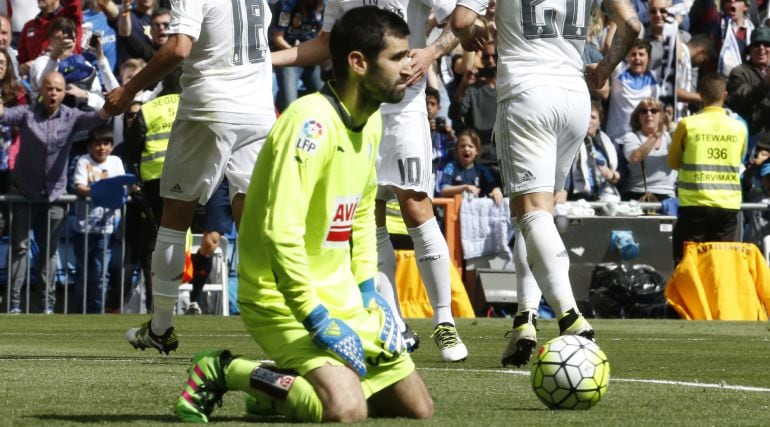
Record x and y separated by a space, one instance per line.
159 115
711 160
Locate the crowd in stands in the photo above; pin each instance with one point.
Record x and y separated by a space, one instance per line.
58 60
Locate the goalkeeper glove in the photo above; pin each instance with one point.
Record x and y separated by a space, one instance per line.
336 336
389 334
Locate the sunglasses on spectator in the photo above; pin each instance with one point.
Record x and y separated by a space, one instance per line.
662 10
158 25
759 43
649 110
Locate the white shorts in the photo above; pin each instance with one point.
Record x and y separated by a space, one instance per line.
538 133
201 153
405 158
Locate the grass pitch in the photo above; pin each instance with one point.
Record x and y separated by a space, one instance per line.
67 370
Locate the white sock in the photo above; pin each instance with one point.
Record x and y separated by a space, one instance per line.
432 255
386 289
548 259
527 291
386 282
168 261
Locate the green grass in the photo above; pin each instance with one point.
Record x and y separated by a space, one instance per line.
65 370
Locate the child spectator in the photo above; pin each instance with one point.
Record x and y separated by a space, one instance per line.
466 175
441 135
95 225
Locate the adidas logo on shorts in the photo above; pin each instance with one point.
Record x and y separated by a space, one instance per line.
527 177
176 189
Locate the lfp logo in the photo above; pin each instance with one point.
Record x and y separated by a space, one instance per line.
311 135
313 130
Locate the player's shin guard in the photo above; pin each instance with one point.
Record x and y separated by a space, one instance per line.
274 389
432 253
548 259
168 261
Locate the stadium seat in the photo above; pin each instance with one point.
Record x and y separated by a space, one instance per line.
110 193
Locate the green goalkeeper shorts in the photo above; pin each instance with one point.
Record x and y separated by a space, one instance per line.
290 346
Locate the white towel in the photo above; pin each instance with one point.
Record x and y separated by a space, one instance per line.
485 228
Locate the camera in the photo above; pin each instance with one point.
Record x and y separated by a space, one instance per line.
486 72
440 123
94 41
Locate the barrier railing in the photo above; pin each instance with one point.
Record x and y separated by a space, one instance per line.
61 267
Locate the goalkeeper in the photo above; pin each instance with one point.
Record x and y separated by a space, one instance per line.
308 253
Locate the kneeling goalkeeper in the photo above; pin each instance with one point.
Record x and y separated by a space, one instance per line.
308 255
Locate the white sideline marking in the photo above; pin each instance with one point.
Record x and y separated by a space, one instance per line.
722 386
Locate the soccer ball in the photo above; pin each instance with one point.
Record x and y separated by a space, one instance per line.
570 372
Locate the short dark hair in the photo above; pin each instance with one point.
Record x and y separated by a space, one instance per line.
711 88
432 91
362 29
642 44
63 24
706 42
100 133
597 105
160 11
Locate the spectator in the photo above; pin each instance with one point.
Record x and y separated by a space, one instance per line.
159 24
465 174
756 184
12 93
19 12
46 127
736 31
95 226
630 83
34 40
709 184
729 29
594 174
441 135
97 15
133 29
749 84
298 21
5 44
83 88
645 149
474 102
694 54
663 36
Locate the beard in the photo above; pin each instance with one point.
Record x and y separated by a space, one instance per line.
377 89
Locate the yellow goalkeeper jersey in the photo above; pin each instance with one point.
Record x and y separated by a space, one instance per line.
307 235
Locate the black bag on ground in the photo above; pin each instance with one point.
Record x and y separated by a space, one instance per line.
623 291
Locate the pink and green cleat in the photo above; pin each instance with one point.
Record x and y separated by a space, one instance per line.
205 386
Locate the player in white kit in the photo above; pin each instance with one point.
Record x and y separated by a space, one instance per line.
543 109
404 164
225 112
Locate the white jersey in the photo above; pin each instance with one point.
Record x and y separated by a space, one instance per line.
228 75
540 42
415 13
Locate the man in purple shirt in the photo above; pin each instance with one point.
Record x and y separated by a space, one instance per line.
46 128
